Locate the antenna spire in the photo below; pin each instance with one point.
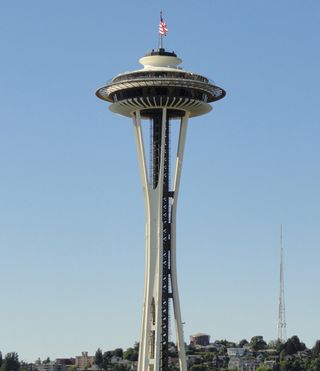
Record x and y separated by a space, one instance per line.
282 336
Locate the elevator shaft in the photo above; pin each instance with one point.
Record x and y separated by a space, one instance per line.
156 128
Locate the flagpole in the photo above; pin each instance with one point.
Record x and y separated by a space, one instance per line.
163 30
161 36
160 41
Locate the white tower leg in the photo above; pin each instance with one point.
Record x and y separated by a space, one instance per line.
176 186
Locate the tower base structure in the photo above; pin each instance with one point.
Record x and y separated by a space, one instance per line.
160 93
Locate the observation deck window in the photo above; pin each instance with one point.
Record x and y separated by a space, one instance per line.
160 75
154 92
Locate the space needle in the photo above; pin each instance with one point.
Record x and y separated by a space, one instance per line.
160 95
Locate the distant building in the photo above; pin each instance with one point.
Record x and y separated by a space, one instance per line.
115 360
51 366
217 344
192 358
241 364
235 352
209 348
199 339
65 361
84 361
220 361
120 361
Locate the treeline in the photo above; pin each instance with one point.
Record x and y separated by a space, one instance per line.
295 356
11 363
104 360
292 355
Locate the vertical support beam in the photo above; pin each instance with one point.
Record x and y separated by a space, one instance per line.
145 325
151 328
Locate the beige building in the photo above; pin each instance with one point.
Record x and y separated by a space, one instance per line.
84 361
199 339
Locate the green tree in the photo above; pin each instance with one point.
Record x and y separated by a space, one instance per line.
118 352
131 354
46 361
285 365
0 359
98 358
242 343
276 345
316 349
292 365
136 346
263 368
257 343
106 359
282 355
11 362
38 362
298 365
293 345
207 357
223 342
314 365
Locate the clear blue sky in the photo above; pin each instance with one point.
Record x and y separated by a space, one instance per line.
71 205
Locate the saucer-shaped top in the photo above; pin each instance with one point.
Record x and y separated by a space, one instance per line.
161 83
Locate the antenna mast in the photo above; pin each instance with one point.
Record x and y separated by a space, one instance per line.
282 336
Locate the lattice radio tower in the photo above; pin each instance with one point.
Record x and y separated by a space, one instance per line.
282 336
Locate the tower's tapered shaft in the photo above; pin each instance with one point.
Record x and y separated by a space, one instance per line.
161 276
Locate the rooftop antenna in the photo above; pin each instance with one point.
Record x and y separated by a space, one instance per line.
282 336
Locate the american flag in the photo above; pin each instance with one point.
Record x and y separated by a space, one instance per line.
163 30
